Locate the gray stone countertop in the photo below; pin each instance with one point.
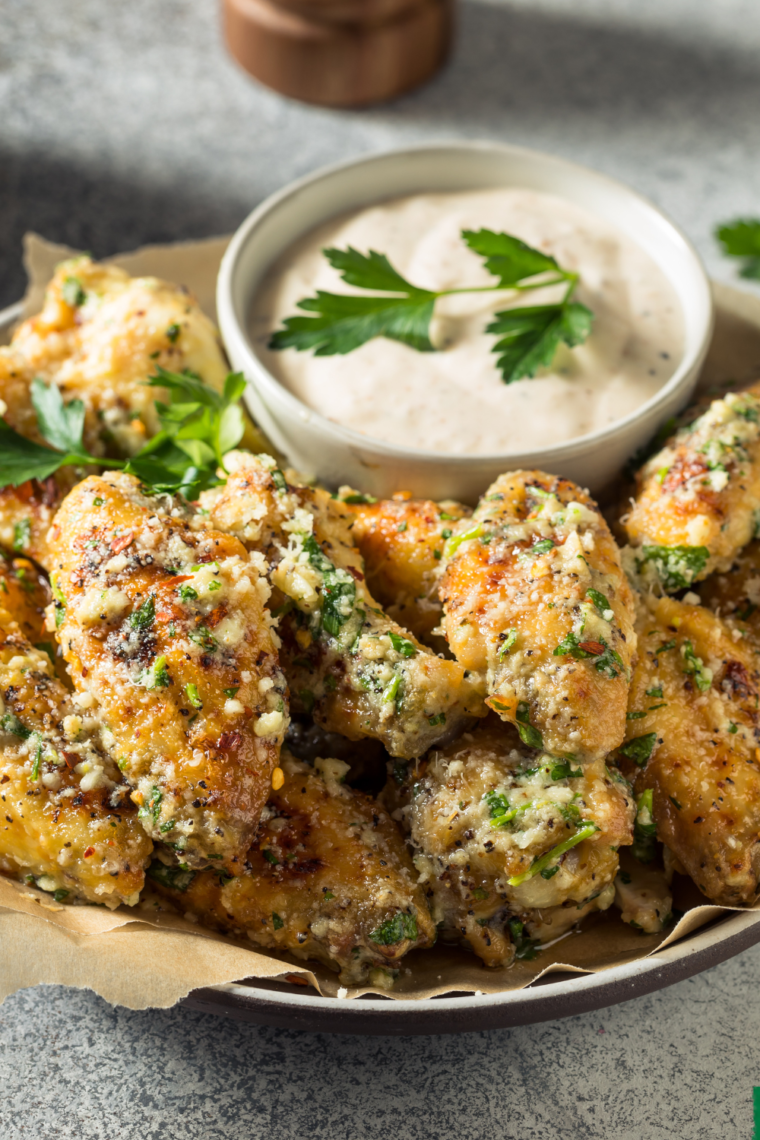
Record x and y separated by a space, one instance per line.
126 123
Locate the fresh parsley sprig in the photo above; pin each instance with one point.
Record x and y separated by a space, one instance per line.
197 428
527 337
742 239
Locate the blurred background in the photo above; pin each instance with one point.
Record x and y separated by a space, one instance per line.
130 123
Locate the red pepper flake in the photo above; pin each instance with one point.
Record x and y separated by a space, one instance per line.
88 851
72 759
230 741
594 647
122 542
296 980
355 573
175 581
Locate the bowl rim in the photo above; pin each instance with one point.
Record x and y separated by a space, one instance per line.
234 331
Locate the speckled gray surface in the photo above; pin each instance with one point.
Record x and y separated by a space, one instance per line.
124 123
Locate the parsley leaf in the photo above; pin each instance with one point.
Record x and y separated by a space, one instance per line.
675 566
529 337
640 748
529 734
396 929
175 878
742 239
644 829
399 310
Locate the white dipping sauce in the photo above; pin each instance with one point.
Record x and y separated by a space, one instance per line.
455 401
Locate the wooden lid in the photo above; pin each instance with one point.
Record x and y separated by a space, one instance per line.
339 53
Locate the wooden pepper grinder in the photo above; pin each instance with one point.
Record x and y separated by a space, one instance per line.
339 53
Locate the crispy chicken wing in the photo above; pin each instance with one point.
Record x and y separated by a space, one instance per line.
328 877
162 623
697 500
735 593
358 671
66 823
693 741
504 834
535 598
401 541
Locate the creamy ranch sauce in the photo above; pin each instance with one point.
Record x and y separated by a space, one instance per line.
454 401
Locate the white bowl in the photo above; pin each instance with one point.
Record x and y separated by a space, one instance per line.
335 454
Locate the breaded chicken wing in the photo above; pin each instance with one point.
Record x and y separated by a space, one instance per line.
504 834
535 598
692 740
346 661
697 500
735 593
328 877
66 821
163 626
401 541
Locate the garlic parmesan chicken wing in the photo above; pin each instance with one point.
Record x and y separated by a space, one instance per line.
692 745
697 500
401 541
536 600
346 661
66 821
735 594
328 877
511 842
163 626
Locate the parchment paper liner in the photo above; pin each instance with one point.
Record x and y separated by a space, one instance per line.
138 959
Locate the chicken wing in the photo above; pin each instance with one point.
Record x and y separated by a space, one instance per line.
328 877
163 625
697 500
67 824
735 593
401 541
693 741
535 598
346 661
509 839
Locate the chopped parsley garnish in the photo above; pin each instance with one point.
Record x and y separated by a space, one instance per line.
695 667
187 593
542 547
203 637
656 692
193 696
563 770
525 948
601 605
640 748
528 733
73 293
402 645
507 644
151 809
338 588
231 693
197 428
307 699
439 718
22 532
542 862
606 660
157 676
742 239
396 929
173 331
356 498
644 829
666 645
60 894
676 567
10 723
527 337
456 540
402 526
277 922
175 878
391 690
37 761
328 896
144 617
270 857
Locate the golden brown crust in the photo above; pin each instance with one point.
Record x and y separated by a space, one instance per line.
163 624
697 688
533 574
700 491
401 541
66 822
327 872
484 816
347 662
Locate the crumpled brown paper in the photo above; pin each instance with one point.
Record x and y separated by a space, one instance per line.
140 959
